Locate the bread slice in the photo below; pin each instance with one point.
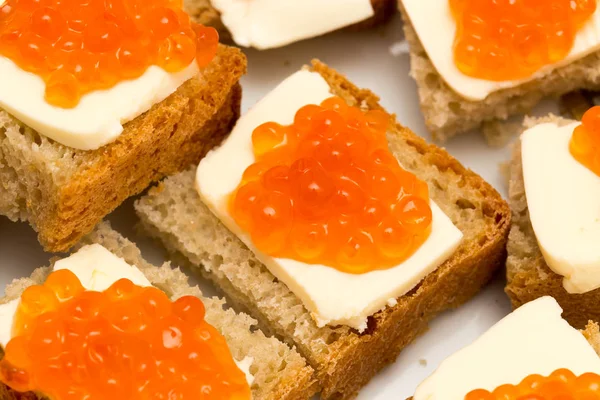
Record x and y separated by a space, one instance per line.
279 372
528 275
447 114
64 192
204 13
592 334
343 359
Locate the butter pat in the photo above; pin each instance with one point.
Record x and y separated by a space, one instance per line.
534 339
265 24
99 117
7 313
435 26
563 197
333 297
97 269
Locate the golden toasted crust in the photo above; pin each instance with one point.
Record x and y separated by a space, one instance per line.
63 202
344 360
456 281
528 275
204 13
8 394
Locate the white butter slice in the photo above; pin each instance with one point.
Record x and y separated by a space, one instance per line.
533 339
99 117
265 24
7 313
436 28
333 297
97 269
563 197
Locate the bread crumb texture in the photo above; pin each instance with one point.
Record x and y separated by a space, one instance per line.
279 371
528 275
343 359
447 114
64 192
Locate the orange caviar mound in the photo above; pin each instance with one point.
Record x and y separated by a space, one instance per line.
128 342
326 190
79 46
561 384
502 40
585 141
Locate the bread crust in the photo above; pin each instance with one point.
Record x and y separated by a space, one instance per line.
162 141
456 281
448 114
292 379
204 13
528 275
344 360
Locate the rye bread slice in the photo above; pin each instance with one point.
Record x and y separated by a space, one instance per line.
343 359
63 192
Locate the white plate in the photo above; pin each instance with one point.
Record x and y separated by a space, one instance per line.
366 58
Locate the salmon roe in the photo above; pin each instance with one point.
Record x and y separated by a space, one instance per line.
511 39
585 142
128 342
79 46
327 190
562 384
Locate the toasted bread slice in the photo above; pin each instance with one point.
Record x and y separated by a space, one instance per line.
204 13
279 372
64 192
528 275
447 114
343 359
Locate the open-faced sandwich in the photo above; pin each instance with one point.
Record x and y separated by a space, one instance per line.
338 229
267 24
482 60
98 99
103 323
554 195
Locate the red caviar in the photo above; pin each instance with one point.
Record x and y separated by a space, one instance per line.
511 39
585 142
562 384
79 46
128 342
327 190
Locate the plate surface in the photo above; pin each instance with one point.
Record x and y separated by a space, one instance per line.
376 60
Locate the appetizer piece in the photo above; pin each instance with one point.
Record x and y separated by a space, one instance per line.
104 323
99 99
338 229
267 24
554 195
530 354
483 60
